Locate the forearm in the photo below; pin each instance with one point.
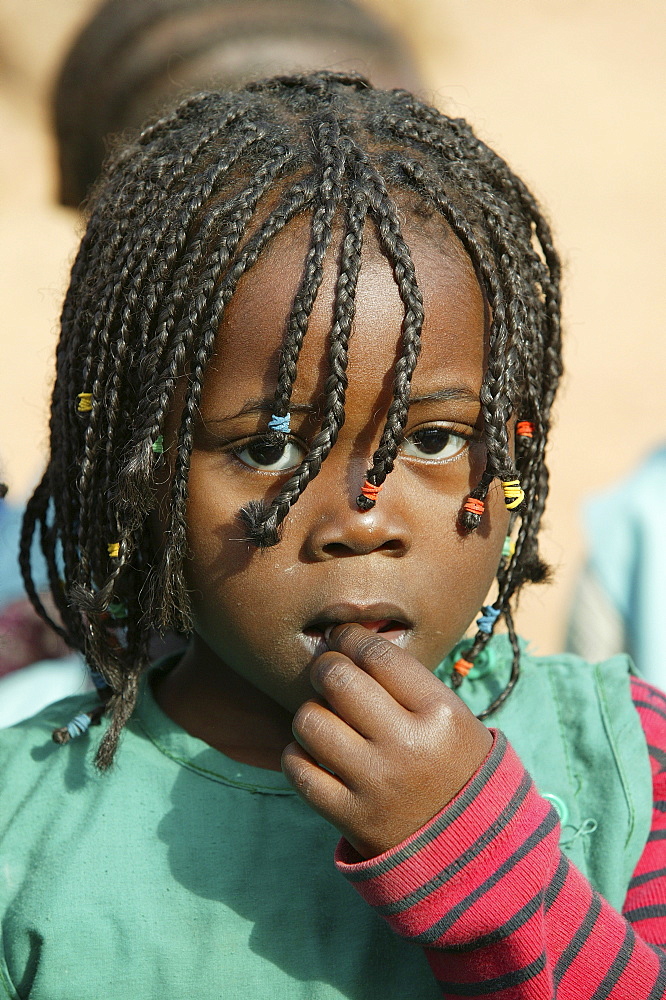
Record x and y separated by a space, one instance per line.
486 891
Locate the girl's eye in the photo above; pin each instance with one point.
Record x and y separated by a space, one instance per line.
269 456
434 443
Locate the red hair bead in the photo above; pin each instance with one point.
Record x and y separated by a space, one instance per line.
525 429
368 496
474 506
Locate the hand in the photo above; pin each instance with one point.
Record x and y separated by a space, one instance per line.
387 745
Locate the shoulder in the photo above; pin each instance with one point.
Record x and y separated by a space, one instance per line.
570 666
610 684
54 797
619 667
27 748
40 725
37 779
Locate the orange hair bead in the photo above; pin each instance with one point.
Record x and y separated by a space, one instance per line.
525 429
474 506
368 495
462 667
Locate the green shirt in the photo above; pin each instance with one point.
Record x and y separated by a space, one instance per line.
181 873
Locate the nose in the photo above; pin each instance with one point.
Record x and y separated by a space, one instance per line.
339 529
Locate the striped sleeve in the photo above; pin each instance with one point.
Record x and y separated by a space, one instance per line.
645 905
500 911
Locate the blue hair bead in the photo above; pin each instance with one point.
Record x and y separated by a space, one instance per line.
98 680
280 424
79 725
488 618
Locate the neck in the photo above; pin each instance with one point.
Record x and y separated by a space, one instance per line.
215 704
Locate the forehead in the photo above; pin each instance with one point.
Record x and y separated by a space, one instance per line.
454 339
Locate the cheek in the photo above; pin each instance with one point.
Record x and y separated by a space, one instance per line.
461 567
228 578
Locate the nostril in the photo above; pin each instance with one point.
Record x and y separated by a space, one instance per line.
338 549
340 533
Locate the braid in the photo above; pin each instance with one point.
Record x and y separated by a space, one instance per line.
181 215
330 191
396 249
263 522
169 578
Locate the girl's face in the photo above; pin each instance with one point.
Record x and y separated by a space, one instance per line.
404 566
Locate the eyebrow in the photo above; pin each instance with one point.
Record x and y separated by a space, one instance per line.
458 392
262 406
461 392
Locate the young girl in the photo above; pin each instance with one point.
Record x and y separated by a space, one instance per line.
303 392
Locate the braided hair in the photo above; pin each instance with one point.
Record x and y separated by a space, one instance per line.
182 214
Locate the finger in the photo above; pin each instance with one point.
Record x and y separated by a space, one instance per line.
356 696
324 792
407 681
330 741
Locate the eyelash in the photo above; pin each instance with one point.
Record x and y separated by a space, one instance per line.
466 436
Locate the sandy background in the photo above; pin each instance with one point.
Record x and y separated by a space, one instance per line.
572 92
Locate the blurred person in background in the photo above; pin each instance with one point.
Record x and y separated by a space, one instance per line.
620 596
134 57
52 671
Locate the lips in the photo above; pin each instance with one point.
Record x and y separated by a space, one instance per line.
388 620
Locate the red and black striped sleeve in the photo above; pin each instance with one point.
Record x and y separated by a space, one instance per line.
645 905
501 912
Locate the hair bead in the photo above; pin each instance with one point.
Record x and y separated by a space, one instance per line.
368 496
489 615
113 548
525 429
84 402
462 667
513 493
78 726
508 548
474 506
280 424
158 445
100 683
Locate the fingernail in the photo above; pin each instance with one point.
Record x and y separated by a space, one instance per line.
327 631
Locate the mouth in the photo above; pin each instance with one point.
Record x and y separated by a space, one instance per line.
387 620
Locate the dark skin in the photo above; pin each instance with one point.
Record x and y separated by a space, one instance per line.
279 673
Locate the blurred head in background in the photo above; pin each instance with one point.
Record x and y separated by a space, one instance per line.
134 57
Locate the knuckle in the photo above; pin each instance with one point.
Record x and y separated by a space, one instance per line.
331 672
299 775
409 738
372 647
439 712
305 718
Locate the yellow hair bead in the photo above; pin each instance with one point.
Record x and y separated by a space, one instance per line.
84 404
513 494
113 548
